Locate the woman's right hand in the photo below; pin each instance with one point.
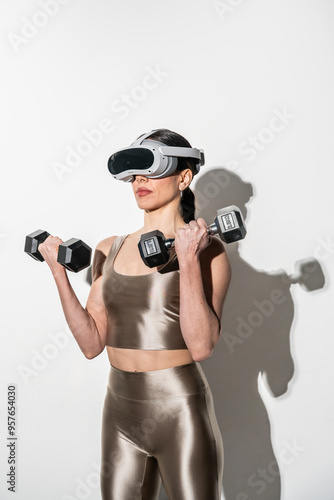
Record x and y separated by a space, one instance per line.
49 250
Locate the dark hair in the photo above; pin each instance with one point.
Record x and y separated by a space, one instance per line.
171 138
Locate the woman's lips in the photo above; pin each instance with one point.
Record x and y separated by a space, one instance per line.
143 192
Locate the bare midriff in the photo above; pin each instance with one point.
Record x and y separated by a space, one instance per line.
138 360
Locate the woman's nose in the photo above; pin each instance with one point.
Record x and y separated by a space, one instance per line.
140 178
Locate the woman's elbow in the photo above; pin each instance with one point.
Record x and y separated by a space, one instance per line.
89 355
202 353
92 354
204 350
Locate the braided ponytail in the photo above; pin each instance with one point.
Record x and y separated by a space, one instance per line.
187 205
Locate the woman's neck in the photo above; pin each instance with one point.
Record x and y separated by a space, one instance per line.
166 219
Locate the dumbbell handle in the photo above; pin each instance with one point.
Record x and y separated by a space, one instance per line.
212 229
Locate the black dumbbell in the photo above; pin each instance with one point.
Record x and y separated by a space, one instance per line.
73 254
229 225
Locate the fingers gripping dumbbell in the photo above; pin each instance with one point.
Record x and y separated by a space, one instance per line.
73 254
229 225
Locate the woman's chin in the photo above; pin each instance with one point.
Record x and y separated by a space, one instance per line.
144 203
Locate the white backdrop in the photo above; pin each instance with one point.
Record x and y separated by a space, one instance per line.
251 82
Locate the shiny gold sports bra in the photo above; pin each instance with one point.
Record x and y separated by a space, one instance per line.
143 310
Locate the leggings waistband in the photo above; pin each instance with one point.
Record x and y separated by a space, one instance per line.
181 380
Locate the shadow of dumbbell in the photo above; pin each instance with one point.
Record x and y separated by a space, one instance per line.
308 275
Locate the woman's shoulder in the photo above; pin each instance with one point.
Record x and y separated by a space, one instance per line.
104 245
101 252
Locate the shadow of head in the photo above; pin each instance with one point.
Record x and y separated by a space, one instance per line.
220 188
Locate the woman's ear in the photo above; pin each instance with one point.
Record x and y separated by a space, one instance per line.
185 178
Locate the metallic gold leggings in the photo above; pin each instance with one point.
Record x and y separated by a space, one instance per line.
158 425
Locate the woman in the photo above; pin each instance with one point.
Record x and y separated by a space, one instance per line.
158 417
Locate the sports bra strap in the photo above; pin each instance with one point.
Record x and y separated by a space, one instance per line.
118 242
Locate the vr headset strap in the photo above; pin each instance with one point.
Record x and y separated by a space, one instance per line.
143 137
175 151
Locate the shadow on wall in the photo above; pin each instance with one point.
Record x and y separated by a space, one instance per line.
256 324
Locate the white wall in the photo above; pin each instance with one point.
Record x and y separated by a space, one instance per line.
223 71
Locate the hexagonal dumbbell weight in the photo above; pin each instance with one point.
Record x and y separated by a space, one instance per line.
229 225
73 254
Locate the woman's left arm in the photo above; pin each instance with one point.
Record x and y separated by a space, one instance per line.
205 275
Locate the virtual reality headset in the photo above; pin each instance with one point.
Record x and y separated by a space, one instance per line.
150 158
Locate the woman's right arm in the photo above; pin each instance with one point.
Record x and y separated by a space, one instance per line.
88 325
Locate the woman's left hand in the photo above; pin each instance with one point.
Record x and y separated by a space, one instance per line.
191 239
